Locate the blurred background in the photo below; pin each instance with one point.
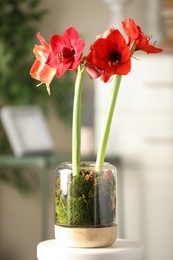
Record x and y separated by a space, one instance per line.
141 134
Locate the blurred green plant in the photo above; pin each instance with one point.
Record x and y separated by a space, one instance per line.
18 20
18 25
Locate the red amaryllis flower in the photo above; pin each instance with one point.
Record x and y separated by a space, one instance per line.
40 70
109 55
136 35
66 51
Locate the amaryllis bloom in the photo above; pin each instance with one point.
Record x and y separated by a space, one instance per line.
66 51
135 35
109 55
40 70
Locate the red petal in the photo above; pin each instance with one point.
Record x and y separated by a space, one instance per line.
58 42
72 35
131 29
52 60
61 69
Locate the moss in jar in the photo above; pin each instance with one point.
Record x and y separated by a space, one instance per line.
89 201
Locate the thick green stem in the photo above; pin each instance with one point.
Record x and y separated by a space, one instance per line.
107 126
76 122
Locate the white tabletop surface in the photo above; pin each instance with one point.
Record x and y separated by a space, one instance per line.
120 250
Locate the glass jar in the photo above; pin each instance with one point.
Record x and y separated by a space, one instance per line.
86 201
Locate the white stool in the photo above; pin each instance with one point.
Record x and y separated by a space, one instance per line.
121 250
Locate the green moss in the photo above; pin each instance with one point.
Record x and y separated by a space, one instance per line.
81 211
61 211
88 202
80 187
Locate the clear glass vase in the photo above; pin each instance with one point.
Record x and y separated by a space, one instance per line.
85 205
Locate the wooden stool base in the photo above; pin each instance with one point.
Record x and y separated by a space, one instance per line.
85 237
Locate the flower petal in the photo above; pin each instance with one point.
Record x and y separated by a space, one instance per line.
135 34
131 29
61 69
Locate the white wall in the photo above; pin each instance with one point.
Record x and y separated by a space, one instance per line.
142 133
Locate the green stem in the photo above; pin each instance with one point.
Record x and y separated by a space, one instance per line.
76 122
107 126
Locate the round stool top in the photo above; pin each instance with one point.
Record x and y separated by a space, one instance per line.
120 250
